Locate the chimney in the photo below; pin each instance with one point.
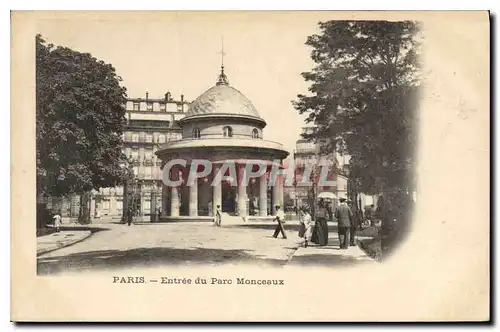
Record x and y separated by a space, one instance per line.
167 96
147 95
182 97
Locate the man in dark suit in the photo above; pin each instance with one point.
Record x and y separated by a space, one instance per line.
344 217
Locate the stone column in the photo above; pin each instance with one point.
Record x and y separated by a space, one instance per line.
275 193
125 201
263 195
174 202
74 205
153 213
174 196
217 193
242 193
164 199
193 199
281 192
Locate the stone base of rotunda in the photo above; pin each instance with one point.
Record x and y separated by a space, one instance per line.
186 218
258 218
229 219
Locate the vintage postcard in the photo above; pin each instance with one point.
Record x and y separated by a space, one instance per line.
250 166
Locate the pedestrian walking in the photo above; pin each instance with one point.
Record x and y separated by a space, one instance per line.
280 218
97 213
130 215
344 219
329 211
57 221
320 232
218 216
307 225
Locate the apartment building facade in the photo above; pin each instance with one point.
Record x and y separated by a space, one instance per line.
151 122
307 155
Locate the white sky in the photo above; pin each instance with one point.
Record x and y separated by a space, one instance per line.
179 52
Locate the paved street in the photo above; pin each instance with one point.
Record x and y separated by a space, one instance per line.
116 246
59 240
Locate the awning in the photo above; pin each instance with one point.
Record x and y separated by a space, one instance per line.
327 194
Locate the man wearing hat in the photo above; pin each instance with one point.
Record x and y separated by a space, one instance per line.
280 218
344 217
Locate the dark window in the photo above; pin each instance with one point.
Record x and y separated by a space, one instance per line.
255 133
196 133
227 131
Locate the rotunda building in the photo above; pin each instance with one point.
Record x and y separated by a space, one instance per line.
224 128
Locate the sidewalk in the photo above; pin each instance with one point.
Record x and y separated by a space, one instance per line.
330 255
62 239
100 220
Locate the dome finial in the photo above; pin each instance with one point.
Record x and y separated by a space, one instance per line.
222 77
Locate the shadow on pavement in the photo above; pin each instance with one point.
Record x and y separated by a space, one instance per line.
84 228
365 232
147 257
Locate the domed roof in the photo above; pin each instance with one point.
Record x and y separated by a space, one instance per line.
222 99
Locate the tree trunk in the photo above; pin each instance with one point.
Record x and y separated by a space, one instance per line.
43 216
386 227
84 214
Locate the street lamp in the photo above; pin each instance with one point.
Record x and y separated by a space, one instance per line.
314 191
94 195
153 203
125 166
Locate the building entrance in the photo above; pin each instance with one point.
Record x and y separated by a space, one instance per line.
228 198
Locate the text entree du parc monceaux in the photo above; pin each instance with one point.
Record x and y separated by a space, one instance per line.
198 281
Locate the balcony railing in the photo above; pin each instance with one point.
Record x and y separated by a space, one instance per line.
135 160
151 141
306 151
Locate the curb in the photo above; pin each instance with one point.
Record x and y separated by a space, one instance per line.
367 250
59 245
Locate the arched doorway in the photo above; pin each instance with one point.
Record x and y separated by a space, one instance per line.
228 197
204 198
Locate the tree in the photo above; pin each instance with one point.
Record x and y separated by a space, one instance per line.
363 100
79 119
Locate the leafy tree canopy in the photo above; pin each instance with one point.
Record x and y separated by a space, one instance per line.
79 119
362 99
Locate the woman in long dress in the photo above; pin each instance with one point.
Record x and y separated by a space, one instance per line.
57 221
306 219
321 224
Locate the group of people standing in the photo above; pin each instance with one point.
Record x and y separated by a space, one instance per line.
316 231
